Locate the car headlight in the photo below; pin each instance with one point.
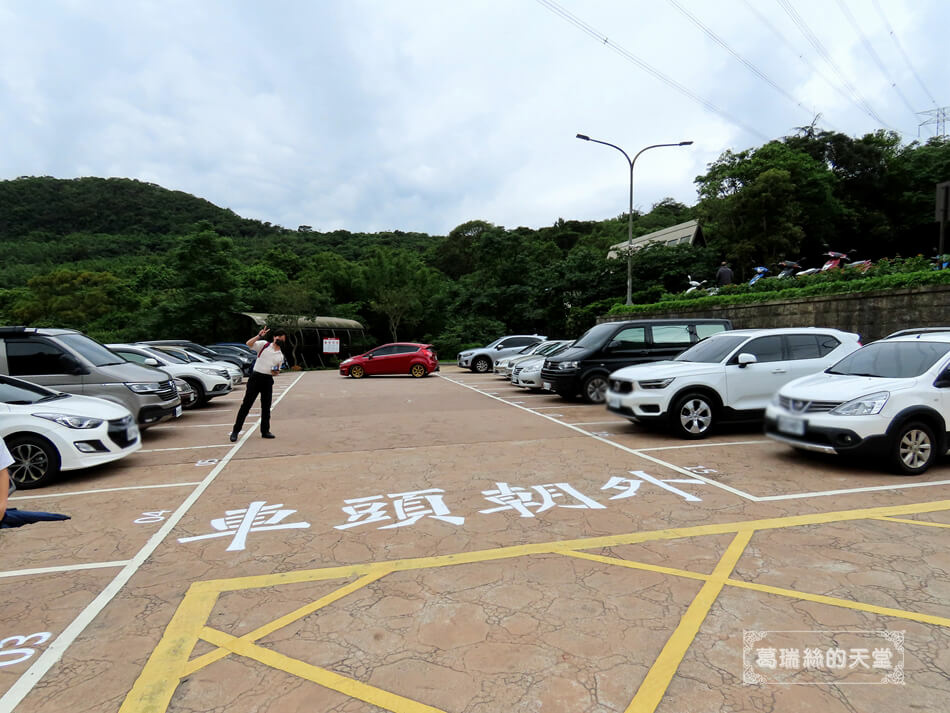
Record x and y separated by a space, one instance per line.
71 421
531 369
564 365
209 372
345 362
655 383
144 387
863 406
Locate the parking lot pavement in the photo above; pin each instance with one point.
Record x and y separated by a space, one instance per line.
455 544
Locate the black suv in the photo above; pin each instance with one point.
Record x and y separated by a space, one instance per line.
585 365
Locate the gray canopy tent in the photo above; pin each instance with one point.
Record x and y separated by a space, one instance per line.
305 335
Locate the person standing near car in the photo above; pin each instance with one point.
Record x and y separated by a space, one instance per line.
266 367
6 483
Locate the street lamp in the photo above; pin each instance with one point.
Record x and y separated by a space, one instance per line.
630 212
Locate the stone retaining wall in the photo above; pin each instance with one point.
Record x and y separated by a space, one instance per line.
871 314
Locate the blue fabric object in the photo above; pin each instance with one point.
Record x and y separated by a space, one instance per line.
18 518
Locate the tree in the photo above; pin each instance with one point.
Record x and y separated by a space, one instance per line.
399 286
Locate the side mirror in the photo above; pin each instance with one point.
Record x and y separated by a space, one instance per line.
612 344
369 356
499 347
71 365
746 359
151 362
943 381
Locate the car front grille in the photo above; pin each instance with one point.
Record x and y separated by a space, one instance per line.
119 430
166 391
621 387
804 406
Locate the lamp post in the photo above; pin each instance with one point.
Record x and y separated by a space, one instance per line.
630 212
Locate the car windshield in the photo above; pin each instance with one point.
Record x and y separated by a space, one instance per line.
595 336
892 360
560 348
531 348
91 349
23 393
712 350
184 356
165 356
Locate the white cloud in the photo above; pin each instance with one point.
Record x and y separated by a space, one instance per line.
421 115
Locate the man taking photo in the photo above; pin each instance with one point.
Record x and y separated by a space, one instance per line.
269 360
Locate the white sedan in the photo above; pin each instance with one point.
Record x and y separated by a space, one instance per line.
48 431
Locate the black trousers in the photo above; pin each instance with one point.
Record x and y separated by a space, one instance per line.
257 383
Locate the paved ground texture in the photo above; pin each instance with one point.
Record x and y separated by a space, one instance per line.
455 544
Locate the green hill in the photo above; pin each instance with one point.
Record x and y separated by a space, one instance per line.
117 206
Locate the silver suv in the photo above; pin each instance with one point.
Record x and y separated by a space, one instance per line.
67 360
482 360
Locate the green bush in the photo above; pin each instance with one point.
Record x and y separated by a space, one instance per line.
890 276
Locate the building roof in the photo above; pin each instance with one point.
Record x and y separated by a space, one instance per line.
688 233
301 322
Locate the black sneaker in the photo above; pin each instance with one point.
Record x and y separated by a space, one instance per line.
233 437
268 434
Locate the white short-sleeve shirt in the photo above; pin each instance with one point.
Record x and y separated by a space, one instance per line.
6 460
269 359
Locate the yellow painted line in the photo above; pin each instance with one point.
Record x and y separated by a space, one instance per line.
661 673
268 580
153 690
846 603
321 676
617 562
913 522
279 623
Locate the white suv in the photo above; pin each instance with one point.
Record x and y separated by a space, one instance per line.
889 400
728 376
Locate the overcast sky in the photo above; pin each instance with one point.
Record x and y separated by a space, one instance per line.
418 115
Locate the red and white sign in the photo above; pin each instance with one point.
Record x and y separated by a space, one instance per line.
331 346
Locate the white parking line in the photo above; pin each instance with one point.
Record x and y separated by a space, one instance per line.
613 444
183 448
101 490
642 452
599 423
707 445
63 568
54 652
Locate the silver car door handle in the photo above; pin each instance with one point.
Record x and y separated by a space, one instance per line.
779 371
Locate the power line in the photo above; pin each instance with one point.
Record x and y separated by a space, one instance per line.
629 56
749 65
823 53
874 55
910 66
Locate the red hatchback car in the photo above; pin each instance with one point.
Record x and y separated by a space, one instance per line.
403 358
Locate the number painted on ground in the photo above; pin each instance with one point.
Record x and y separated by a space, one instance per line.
149 517
207 461
14 649
700 469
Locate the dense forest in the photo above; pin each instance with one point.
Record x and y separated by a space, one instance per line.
125 260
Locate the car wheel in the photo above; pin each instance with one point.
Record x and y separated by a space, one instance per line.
201 397
595 389
482 365
418 371
35 461
912 449
693 416
357 372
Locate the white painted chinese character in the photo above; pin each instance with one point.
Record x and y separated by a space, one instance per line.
765 658
629 487
814 658
859 657
256 517
881 658
836 658
789 658
409 508
513 497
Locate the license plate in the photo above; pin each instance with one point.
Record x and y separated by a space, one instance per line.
546 385
613 401
177 411
791 426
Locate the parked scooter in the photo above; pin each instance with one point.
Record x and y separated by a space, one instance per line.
941 262
760 272
790 268
694 285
